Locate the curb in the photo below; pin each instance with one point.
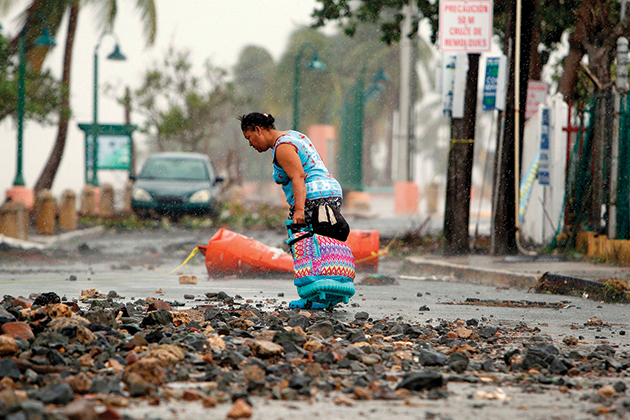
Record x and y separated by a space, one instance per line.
468 274
43 242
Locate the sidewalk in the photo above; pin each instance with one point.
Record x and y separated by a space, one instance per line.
513 271
40 242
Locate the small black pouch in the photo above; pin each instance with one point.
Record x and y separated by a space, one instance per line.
328 221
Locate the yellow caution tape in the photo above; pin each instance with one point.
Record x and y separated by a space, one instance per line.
372 256
192 254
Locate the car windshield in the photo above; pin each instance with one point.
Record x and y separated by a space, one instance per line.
174 168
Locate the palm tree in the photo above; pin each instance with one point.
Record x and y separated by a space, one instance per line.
49 14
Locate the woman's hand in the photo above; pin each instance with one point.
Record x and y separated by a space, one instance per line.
298 217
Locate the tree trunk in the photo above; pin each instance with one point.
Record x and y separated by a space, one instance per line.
503 234
535 65
568 81
460 163
47 176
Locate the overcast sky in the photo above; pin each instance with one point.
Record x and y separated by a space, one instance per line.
211 29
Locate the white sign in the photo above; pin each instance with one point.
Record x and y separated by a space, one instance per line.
465 26
536 95
454 71
459 85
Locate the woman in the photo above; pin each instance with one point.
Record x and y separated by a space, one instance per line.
309 189
297 166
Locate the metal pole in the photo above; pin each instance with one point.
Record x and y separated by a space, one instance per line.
406 101
19 178
95 122
296 91
622 88
517 122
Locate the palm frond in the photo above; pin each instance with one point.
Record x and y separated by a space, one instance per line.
106 11
148 16
6 5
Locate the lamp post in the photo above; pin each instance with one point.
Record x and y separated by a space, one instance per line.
115 55
315 64
45 40
351 133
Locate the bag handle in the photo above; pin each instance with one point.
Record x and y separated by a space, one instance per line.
294 228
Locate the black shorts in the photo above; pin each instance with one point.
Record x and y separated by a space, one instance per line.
311 205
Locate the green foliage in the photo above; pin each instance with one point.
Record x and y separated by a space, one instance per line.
553 18
195 223
180 107
260 215
119 223
386 12
615 290
42 91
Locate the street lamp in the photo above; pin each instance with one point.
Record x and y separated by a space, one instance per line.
45 40
115 55
315 64
350 154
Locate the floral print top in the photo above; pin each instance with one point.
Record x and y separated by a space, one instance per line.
319 182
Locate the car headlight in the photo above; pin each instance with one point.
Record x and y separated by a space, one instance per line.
202 196
139 194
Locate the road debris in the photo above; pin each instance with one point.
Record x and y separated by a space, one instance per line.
97 356
379 280
608 290
508 303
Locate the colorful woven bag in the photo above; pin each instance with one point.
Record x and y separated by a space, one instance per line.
323 268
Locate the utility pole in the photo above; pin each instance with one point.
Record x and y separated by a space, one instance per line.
404 170
405 189
460 163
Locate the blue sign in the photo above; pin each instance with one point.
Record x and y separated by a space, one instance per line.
543 166
491 83
448 78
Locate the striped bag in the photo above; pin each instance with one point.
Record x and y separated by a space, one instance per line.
323 267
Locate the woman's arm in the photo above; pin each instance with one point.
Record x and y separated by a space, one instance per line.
288 159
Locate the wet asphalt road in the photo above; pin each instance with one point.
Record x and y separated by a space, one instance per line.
136 264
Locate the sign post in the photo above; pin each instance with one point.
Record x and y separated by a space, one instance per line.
113 148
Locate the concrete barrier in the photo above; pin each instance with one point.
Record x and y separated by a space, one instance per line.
21 194
406 198
68 217
127 198
107 201
431 193
46 212
358 200
88 200
601 247
14 220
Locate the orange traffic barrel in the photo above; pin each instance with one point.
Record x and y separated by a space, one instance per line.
364 245
229 253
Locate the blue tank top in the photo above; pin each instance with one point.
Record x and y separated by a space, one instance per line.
319 182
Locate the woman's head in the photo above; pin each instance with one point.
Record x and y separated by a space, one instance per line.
256 119
257 129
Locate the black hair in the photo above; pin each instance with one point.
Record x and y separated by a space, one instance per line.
256 119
